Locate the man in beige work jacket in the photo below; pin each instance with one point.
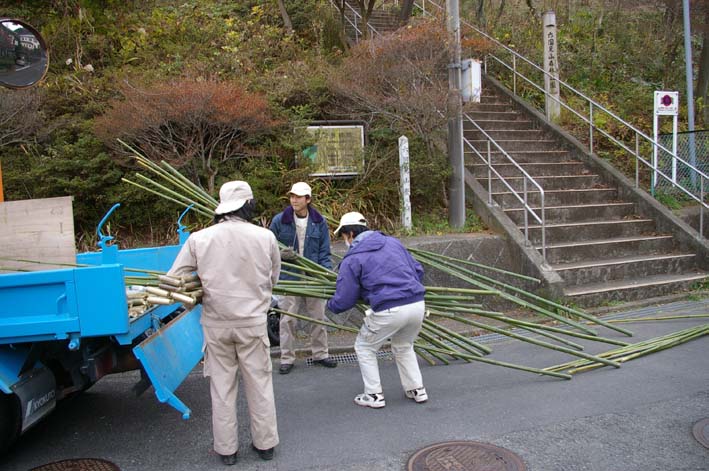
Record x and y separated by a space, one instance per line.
238 264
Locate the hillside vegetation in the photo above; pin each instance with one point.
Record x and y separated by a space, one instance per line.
212 72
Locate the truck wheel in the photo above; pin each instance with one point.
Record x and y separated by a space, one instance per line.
9 421
273 327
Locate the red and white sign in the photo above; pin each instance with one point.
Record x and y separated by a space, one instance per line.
666 103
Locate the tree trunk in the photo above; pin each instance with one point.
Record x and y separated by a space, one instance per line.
480 11
672 40
407 8
284 14
703 79
365 9
499 12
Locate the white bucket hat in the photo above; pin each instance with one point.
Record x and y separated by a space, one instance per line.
351 219
232 196
300 189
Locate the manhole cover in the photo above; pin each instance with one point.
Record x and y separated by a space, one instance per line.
81 464
701 432
465 456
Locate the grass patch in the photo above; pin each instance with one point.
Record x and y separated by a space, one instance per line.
437 224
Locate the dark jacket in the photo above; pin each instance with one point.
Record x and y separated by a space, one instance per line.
317 236
379 270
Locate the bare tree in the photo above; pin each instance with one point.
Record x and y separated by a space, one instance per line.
287 23
20 117
364 7
199 124
407 7
703 79
399 78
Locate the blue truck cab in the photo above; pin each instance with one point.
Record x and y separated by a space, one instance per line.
63 330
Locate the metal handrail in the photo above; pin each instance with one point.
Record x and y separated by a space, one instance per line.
592 105
356 15
523 198
541 219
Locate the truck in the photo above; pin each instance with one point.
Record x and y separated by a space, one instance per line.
62 330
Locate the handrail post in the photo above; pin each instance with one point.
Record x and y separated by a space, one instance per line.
514 74
544 228
526 216
356 29
489 174
701 206
637 160
590 119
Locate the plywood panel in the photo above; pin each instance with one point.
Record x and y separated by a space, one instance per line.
40 230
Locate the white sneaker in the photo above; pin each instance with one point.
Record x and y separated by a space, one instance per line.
375 401
418 395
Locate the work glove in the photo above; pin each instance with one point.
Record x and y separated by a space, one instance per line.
288 255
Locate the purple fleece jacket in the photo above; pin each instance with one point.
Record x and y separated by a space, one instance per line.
380 271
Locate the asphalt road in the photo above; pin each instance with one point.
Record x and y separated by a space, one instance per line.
636 418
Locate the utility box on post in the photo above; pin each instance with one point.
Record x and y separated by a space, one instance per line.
471 78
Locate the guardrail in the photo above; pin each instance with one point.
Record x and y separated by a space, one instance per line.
524 198
698 194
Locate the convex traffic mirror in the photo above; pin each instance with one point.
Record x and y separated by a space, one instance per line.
23 54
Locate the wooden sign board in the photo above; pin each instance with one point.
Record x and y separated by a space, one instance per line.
338 151
41 230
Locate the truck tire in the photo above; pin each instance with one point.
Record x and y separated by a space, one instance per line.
10 416
273 328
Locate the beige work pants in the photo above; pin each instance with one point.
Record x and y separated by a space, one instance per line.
228 352
311 307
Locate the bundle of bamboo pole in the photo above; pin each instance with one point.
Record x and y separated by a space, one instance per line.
436 341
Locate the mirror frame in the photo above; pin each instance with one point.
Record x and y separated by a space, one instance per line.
42 44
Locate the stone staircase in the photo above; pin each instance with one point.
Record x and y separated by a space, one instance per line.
601 243
382 20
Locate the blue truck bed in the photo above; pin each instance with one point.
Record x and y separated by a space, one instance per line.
61 330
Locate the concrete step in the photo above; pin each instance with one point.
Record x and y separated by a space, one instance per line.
505 134
521 157
499 123
478 116
548 182
562 197
633 289
490 105
577 213
518 145
590 230
589 250
605 270
532 168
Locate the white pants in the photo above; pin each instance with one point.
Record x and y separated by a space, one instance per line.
227 352
402 325
311 307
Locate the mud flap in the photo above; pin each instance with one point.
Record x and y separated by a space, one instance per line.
170 354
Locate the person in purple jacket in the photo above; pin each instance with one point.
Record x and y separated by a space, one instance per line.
380 271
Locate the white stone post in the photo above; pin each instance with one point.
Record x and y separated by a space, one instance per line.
551 67
404 182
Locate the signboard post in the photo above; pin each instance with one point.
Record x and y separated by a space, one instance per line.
666 104
404 182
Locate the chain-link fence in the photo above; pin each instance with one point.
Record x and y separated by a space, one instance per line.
680 172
